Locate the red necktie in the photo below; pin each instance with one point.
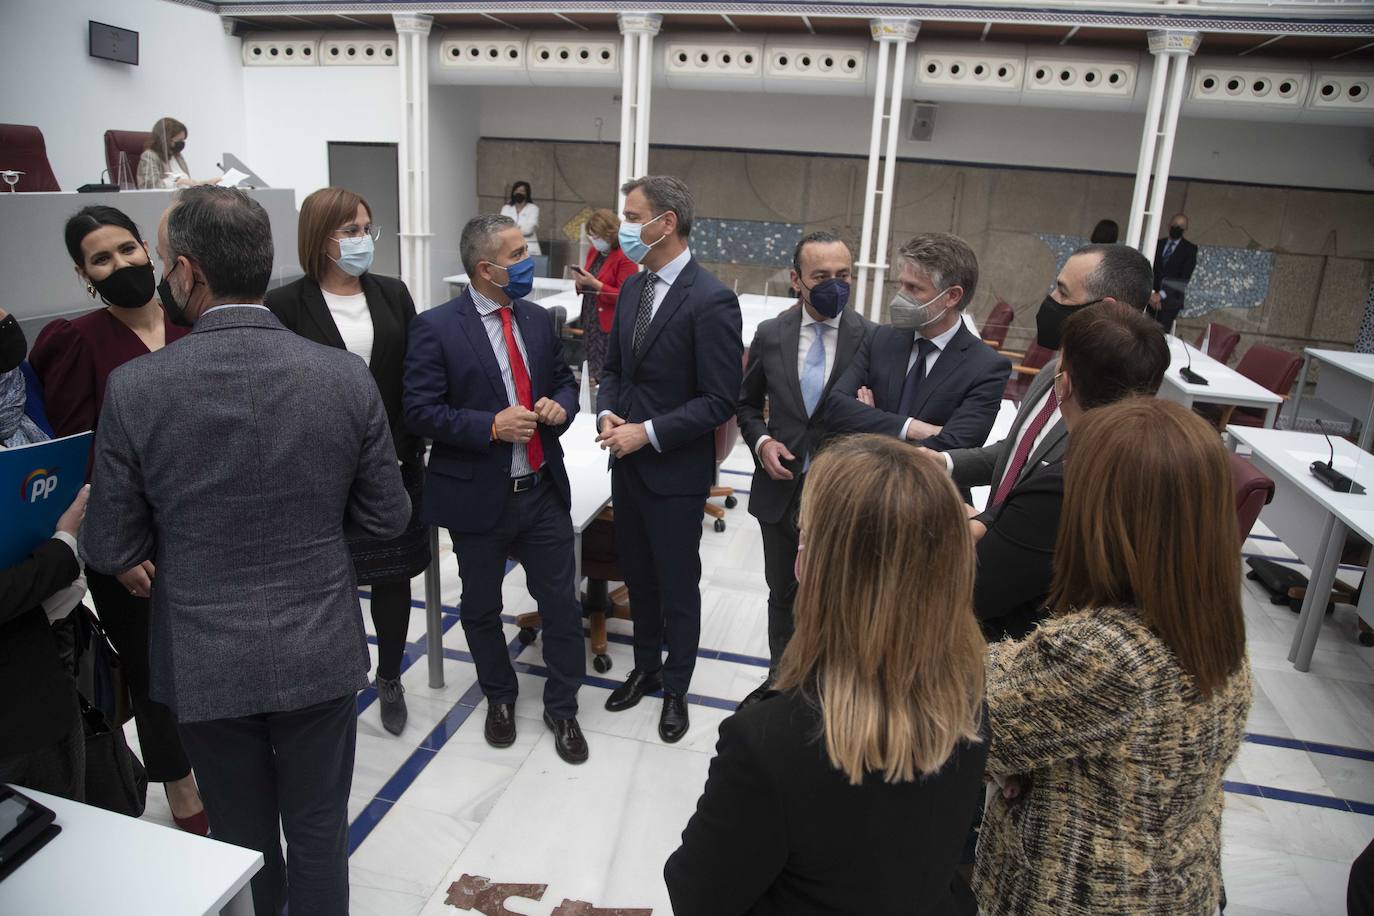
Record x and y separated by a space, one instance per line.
1023 449
521 376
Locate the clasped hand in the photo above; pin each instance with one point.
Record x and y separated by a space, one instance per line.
621 438
516 424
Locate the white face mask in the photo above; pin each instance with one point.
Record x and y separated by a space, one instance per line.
600 245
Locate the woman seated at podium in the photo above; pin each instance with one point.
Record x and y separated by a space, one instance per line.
161 166
42 740
852 788
73 360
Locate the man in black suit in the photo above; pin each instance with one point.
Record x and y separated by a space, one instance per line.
925 377
671 376
485 378
1017 529
1175 261
793 361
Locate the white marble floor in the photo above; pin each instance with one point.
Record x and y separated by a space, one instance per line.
435 808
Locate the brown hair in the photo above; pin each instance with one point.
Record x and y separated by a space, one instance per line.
1111 351
886 642
1149 523
323 212
946 259
160 140
604 224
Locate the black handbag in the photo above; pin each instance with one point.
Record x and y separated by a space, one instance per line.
115 778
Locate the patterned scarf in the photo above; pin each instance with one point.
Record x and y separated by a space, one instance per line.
16 428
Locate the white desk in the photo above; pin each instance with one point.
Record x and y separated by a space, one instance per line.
1346 383
1310 518
589 475
1225 385
110 864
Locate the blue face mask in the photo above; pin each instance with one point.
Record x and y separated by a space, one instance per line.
519 278
829 297
632 244
355 255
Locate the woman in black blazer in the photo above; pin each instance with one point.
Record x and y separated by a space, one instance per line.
340 304
852 788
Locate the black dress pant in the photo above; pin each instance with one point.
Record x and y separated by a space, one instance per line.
1359 893
536 530
125 618
290 768
780 540
659 540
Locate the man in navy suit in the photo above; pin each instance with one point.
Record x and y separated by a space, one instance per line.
672 372
924 377
1175 261
486 380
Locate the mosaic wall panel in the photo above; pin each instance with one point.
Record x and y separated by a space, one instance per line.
1235 278
743 241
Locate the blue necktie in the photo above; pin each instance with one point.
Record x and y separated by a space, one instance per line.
1169 247
813 373
914 376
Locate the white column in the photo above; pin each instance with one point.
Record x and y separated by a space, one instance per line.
412 59
1171 50
636 90
898 33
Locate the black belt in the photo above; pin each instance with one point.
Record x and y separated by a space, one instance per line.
528 482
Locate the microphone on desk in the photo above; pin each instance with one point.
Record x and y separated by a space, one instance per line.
1326 471
1187 371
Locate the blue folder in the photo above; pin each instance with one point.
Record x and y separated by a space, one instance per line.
37 484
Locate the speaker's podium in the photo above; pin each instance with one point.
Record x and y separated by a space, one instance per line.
39 283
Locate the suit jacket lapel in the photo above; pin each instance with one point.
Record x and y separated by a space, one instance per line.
383 342
945 363
318 312
789 338
634 287
897 353
470 324
1047 447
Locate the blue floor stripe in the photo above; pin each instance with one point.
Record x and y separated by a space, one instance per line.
1299 798
1312 747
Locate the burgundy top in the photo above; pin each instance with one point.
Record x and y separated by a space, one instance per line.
74 359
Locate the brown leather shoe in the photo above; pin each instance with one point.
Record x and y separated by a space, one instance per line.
500 727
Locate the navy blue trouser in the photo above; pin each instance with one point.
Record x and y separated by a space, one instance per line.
659 541
535 529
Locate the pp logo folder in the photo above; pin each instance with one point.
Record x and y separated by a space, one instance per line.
37 484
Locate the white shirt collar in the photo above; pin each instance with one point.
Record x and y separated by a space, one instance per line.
668 275
943 340
235 305
808 320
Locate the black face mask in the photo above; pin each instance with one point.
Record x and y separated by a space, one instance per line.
1175 232
13 346
1049 321
519 197
129 287
175 313
178 146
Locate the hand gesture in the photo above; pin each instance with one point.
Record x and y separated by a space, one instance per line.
139 580
865 396
549 412
515 425
771 455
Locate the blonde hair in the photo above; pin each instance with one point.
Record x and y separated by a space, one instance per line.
604 225
323 212
886 641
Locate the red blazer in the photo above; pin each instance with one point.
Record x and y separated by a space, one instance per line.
612 275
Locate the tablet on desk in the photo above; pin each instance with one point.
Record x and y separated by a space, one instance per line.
25 827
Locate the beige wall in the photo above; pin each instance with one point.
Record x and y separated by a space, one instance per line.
1323 241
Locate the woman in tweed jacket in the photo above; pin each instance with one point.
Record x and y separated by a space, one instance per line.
1113 724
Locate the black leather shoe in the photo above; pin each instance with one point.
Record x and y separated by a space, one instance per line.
500 728
672 722
567 739
758 693
632 691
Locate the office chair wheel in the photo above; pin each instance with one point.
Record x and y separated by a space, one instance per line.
528 635
720 525
731 502
602 663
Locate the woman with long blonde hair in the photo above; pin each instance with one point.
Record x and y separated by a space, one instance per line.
852 789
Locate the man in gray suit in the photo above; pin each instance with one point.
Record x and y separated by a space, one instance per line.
234 460
793 362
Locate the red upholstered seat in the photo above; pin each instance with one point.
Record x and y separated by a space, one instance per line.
1023 372
1221 343
999 320
22 150
1271 367
131 143
1253 493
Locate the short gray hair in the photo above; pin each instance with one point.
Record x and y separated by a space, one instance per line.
478 241
664 193
229 237
946 259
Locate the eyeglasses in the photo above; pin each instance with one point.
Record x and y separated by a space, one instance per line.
354 231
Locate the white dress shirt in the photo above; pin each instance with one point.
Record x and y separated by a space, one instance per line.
666 278
354 321
527 218
804 342
931 358
496 335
